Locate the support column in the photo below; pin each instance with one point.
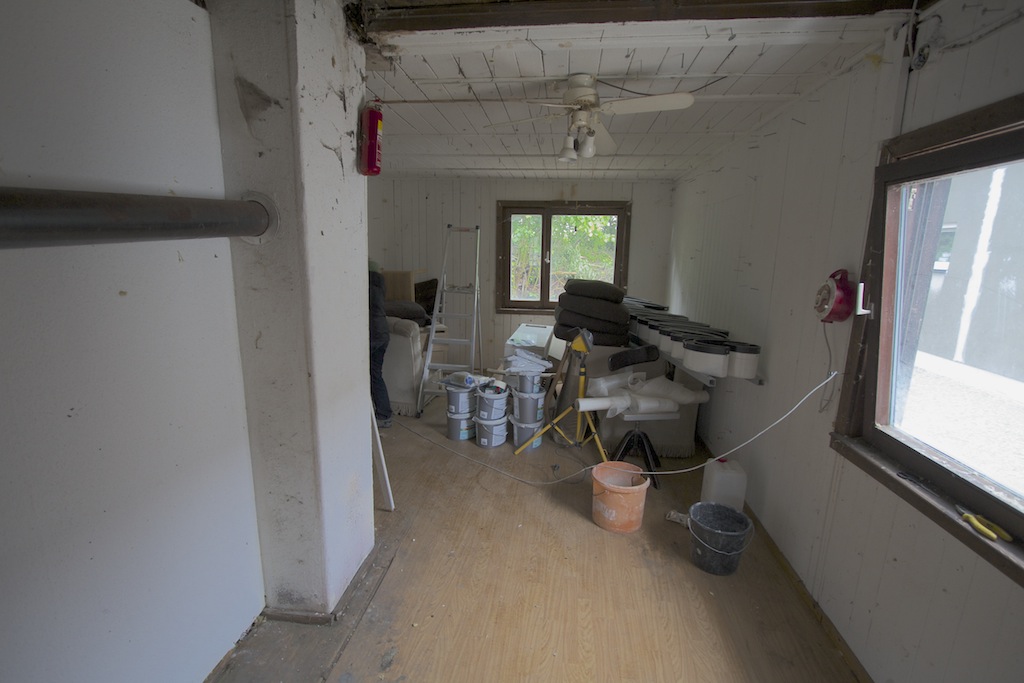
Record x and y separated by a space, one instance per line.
289 86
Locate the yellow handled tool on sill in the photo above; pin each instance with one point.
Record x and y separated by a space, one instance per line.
989 530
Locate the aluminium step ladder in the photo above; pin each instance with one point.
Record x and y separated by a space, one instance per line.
447 294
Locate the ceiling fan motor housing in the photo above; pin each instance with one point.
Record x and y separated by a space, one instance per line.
581 91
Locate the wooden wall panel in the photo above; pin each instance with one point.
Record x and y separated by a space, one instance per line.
853 504
912 602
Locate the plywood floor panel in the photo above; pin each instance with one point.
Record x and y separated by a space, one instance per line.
497 580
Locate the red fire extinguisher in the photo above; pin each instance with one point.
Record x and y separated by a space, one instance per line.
372 124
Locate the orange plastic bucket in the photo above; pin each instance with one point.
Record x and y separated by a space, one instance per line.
620 492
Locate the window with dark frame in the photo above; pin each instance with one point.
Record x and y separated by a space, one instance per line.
541 245
933 401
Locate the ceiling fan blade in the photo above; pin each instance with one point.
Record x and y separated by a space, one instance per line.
546 117
544 103
640 105
603 139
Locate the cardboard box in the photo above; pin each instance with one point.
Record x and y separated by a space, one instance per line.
398 285
533 338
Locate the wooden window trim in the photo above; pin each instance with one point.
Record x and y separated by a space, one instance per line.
548 208
984 137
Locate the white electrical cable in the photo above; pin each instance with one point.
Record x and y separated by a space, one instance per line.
828 379
789 412
826 399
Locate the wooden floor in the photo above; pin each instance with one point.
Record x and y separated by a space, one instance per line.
479 577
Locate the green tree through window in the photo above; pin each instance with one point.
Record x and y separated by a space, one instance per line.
582 247
524 278
543 245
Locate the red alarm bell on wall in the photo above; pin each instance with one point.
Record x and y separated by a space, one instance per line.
834 302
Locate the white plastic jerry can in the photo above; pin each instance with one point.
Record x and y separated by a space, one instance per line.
725 482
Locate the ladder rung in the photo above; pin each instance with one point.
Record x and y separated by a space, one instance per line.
445 288
449 366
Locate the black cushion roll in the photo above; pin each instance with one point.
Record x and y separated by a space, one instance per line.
643 354
594 308
593 324
595 289
410 310
567 333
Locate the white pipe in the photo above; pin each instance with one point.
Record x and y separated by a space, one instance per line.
651 404
663 387
618 403
603 386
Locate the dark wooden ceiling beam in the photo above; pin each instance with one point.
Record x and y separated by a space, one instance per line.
377 16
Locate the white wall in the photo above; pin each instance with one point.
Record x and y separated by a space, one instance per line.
407 219
129 541
751 245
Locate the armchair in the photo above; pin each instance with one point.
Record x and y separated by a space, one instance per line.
403 365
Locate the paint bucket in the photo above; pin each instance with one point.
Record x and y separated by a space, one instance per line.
461 400
521 431
718 537
743 359
461 426
528 406
620 492
706 357
665 341
491 433
528 382
492 401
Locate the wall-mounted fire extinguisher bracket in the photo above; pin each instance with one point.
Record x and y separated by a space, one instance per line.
869 309
835 301
371 130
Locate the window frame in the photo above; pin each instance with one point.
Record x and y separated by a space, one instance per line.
984 137
503 303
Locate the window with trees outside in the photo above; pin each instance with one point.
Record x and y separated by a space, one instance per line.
933 400
541 245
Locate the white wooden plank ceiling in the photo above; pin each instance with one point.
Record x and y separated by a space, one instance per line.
449 96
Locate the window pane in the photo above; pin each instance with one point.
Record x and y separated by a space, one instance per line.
957 370
524 261
582 247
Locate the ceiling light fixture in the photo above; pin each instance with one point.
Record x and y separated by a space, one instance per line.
587 143
581 140
568 153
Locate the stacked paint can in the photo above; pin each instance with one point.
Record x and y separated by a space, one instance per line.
491 414
527 409
527 381
461 408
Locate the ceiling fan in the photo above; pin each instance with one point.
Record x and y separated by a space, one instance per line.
586 134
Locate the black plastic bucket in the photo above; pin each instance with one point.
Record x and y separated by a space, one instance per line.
718 537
